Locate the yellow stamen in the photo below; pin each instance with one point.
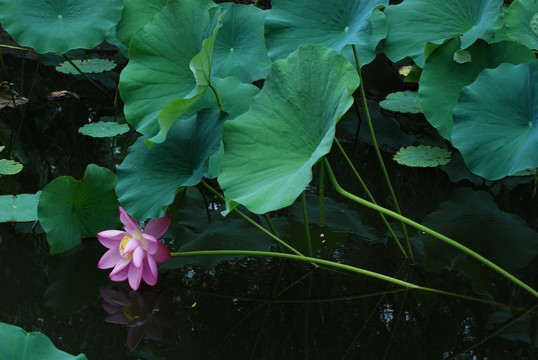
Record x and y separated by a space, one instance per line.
123 244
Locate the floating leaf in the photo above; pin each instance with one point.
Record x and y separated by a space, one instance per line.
270 149
402 101
439 93
103 129
473 219
86 66
334 24
19 208
498 137
149 178
162 53
15 343
422 156
69 209
413 23
462 56
59 25
9 167
240 46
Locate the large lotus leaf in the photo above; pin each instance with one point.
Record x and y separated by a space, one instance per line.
69 209
521 22
474 220
59 25
19 208
159 70
270 149
439 93
149 178
333 24
136 13
498 137
413 23
240 46
15 343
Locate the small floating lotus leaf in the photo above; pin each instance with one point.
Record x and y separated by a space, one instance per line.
19 208
104 129
422 156
497 137
59 25
15 343
402 101
69 209
86 66
9 167
270 149
413 23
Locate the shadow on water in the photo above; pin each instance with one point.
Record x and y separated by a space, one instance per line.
260 308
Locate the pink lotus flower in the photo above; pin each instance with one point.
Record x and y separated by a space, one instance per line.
134 253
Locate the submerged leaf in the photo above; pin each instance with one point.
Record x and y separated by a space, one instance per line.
270 149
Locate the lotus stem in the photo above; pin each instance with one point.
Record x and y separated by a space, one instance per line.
428 231
377 151
86 76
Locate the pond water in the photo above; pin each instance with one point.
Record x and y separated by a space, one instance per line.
270 308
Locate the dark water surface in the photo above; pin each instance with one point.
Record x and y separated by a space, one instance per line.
260 308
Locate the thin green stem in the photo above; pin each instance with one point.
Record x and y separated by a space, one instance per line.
371 197
322 195
428 231
217 96
87 77
306 224
317 261
261 228
376 148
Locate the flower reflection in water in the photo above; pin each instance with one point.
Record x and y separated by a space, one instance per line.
142 312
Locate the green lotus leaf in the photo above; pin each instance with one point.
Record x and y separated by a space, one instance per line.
270 149
10 167
498 137
161 55
402 101
69 209
240 46
59 25
439 93
413 23
422 156
86 66
15 343
19 208
521 23
149 178
103 129
136 13
473 219
334 24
